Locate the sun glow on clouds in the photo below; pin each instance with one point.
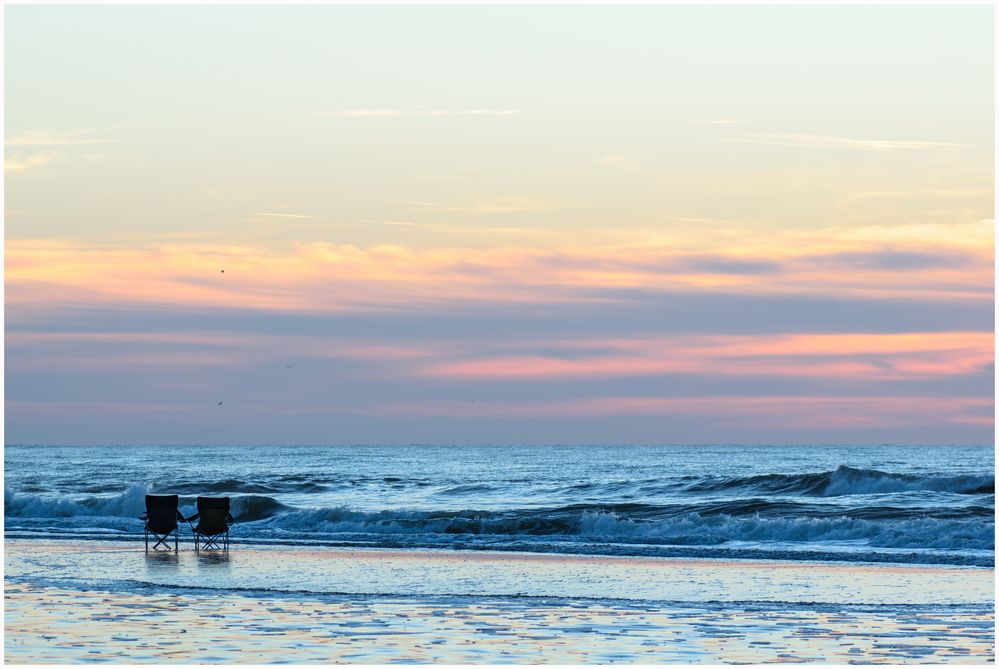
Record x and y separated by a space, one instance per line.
933 261
641 233
851 378
845 356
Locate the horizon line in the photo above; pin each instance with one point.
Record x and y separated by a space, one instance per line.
510 445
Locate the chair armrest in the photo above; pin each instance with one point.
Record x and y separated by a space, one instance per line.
143 517
229 518
194 517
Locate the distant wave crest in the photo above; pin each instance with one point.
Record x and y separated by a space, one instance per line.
263 516
853 512
131 502
846 480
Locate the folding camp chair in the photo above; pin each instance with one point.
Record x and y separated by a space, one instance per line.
161 520
212 530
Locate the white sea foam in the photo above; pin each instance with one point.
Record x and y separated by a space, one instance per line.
696 501
131 502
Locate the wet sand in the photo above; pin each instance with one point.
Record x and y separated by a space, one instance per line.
70 602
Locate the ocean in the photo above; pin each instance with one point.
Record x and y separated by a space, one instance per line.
835 504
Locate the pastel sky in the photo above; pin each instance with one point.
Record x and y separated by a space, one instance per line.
633 224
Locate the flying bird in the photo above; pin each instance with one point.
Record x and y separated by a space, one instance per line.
220 404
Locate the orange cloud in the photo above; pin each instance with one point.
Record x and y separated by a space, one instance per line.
326 277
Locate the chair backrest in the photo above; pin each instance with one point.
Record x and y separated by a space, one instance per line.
213 515
161 513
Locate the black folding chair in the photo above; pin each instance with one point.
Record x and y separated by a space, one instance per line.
212 530
161 520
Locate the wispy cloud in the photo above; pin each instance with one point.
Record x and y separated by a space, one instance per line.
278 215
456 230
19 163
423 112
717 121
614 160
976 235
58 142
831 142
401 224
57 138
826 356
930 263
892 260
937 194
495 206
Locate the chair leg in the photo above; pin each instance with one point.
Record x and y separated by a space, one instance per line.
176 540
147 540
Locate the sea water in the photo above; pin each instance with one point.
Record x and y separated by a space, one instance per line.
841 504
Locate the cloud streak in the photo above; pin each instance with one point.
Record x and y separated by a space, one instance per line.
505 205
809 141
21 162
838 356
57 138
950 262
388 113
279 215
717 121
923 194
877 328
772 383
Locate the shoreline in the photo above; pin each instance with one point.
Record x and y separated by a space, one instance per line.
69 602
62 625
499 554
435 572
689 554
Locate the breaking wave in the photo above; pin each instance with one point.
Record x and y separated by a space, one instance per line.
132 502
262 516
849 481
854 513
687 529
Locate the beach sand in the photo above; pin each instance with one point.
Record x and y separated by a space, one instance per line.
76 601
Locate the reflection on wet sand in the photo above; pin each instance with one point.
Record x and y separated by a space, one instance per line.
75 601
213 558
157 559
48 624
421 573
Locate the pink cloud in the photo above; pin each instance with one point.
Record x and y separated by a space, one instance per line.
850 355
325 277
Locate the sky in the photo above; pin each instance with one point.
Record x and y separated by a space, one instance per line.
522 224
